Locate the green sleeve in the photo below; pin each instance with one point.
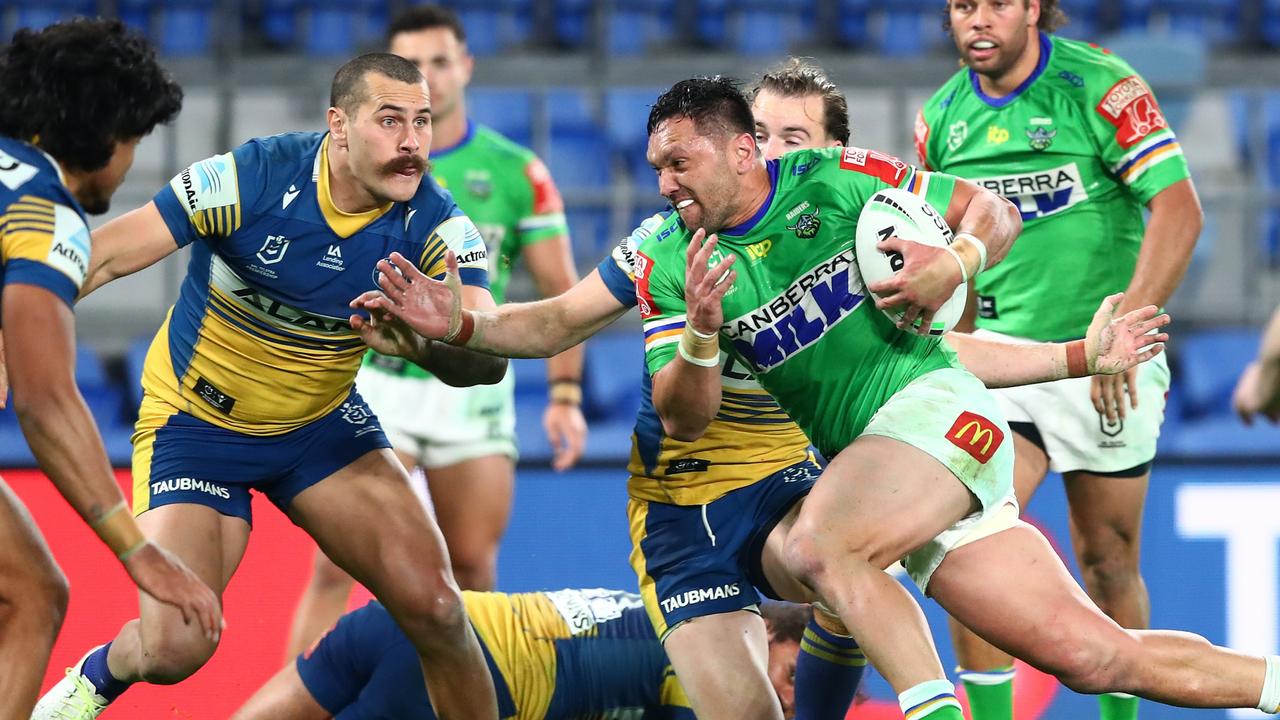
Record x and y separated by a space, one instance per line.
542 209
1131 133
660 297
869 171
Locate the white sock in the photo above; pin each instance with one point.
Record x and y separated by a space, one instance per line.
927 697
1270 700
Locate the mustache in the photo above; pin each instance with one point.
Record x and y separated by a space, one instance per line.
404 163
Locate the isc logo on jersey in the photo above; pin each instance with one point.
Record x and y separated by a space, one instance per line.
1042 193
210 183
798 316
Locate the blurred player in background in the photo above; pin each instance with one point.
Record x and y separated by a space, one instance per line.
1074 137
556 655
75 100
464 438
249 384
1258 391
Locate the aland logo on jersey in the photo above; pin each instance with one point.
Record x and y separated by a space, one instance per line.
799 315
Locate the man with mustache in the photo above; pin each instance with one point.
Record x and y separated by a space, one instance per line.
462 440
249 384
1073 136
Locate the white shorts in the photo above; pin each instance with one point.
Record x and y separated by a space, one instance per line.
441 425
1075 436
950 415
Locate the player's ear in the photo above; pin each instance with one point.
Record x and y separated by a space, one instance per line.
337 119
1033 12
745 151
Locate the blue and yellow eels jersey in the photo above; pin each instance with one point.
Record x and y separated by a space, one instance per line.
577 654
258 341
749 439
44 240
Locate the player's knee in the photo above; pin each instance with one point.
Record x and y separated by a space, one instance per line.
475 571
430 610
1110 570
173 655
803 558
40 591
1090 667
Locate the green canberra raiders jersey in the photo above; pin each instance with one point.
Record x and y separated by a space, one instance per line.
507 192
798 315
1080 147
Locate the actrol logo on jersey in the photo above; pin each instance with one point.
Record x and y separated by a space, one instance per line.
1041 193
798 316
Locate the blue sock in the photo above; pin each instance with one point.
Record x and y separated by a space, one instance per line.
96 671
827 674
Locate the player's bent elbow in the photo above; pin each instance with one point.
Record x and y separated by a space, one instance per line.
683 429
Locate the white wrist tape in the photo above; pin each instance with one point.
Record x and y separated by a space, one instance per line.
977 243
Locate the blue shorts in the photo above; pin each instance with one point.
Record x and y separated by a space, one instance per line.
366 668
187 460
696 560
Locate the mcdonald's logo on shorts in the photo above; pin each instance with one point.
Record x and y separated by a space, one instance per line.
975 435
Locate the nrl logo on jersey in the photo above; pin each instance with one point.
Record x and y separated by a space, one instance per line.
800 315
273 249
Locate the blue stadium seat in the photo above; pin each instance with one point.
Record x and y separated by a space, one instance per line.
280 22
770 27
507 110
531 439
712 24
590 231
852 24
14 451
90 372
626 114
573 23
1084 19
136 14
579 158
184 28
1135 15
530 377
636 26
1270 116
568 108
614 366
910 28
1217 21
609 442
484 30
1209 363
1270 25
42 13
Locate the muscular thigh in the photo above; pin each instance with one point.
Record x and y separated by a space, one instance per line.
722 662
472 500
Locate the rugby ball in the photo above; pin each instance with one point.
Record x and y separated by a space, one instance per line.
898 212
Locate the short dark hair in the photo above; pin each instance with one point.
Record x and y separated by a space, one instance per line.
76 88
426 17
801 77
786 620
349 87
1052 17
715 104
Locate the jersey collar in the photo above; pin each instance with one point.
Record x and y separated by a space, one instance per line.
750 223
466 138
1046 47
343 224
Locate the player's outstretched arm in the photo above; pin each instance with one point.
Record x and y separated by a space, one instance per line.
134 241
686 392
40 330
1111 346
1258 391
536 329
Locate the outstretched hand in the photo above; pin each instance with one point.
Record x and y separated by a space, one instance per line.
411 300
1114 347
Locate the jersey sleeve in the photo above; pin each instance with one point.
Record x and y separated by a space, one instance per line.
868 171
46 244
1132 134
661 301
208 199
618 270
457 233
922 132
542 218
